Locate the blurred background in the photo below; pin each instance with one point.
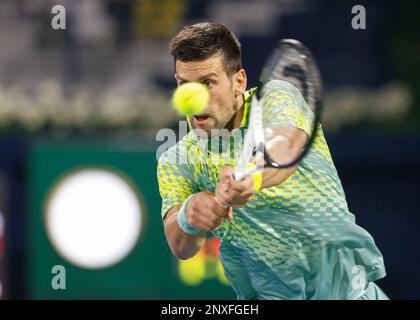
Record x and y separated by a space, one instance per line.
80 109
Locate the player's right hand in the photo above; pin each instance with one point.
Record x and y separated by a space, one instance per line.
205 213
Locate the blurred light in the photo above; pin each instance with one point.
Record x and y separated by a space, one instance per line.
93 218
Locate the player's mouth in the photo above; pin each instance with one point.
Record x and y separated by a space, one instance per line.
200 120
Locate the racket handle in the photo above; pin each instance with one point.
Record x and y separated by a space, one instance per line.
251 169
238 175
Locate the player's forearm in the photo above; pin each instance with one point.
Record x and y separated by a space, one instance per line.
285 150
183 245
273 177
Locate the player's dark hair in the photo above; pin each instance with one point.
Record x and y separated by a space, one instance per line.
204 40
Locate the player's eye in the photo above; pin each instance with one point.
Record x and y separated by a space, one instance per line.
208 83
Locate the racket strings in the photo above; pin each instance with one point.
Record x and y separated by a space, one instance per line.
292 62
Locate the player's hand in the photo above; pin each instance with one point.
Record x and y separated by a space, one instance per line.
205 213
234 193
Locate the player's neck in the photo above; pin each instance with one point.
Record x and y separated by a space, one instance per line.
236 120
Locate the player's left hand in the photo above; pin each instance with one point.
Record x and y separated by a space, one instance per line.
232 193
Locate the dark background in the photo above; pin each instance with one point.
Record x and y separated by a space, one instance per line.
110 76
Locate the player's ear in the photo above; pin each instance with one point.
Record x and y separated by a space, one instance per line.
176 78
240 81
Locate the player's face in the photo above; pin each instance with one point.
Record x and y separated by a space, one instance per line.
226 101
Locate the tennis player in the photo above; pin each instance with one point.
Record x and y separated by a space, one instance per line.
290 234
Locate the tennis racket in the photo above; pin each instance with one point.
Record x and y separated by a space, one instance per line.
290 61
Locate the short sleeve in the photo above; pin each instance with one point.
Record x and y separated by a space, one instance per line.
285 106
175 183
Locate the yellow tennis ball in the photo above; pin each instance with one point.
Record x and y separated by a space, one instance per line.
190 98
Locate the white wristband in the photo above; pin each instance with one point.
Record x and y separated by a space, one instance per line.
182 219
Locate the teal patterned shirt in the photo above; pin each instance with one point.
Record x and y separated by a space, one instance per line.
295 240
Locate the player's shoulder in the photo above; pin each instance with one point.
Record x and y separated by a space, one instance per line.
174 153
280 90
280 86
273 88
168 156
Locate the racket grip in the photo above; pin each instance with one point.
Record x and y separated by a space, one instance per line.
238 175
